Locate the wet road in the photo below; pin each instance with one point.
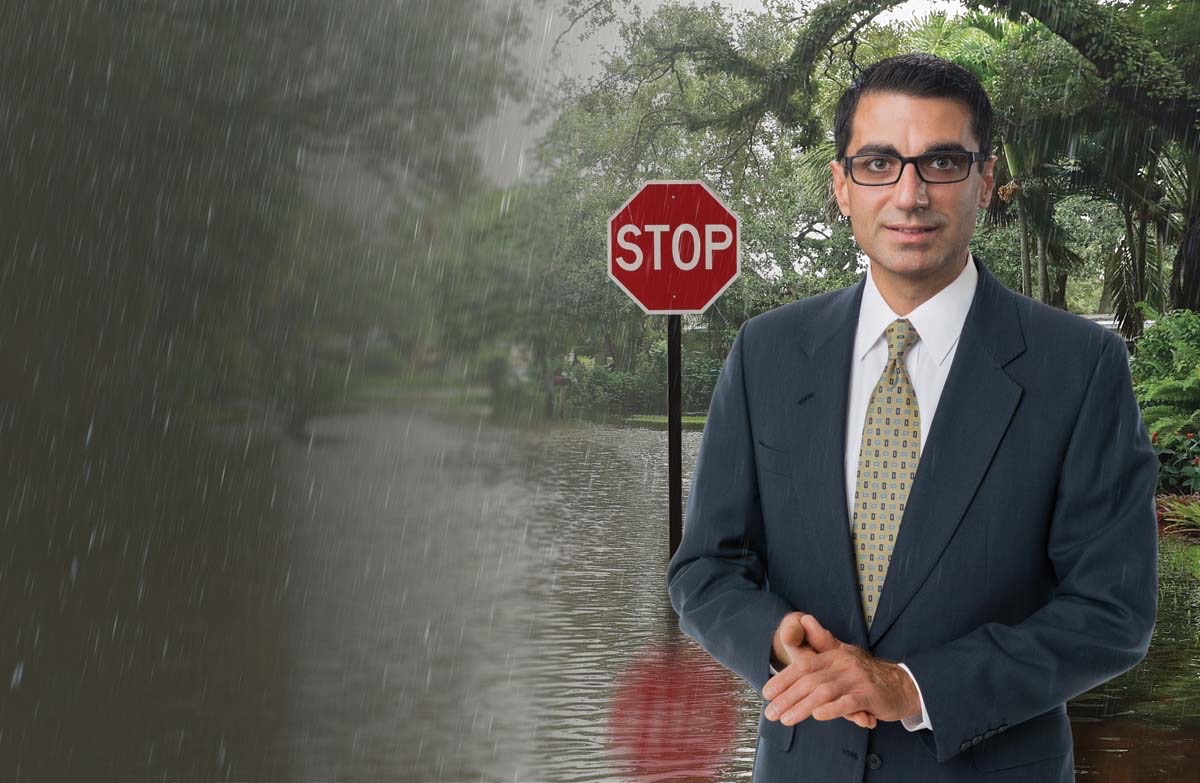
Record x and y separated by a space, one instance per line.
407 597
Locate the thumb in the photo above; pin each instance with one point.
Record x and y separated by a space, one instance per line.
791 632
819 639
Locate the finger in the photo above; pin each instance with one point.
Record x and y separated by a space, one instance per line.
848 704
805 674
802 710
818 637
800 688
803 663
861 718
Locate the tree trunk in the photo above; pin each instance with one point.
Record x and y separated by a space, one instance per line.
1026 272
1127 313
610 349
1059 294
548 384
544 371
1139 264
1185 275
1043 272
635 337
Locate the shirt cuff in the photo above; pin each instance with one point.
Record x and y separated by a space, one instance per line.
911 723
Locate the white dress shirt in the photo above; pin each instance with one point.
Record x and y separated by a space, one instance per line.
939 322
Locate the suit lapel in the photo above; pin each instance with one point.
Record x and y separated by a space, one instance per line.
818 416
974 411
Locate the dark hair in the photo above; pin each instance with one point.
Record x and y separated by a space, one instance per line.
922 76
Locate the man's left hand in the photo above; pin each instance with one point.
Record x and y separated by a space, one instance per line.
840 681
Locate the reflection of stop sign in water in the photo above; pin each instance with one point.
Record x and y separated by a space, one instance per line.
673 247
674 714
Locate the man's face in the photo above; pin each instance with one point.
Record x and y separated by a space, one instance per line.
904 125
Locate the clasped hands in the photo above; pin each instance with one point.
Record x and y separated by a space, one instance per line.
825 678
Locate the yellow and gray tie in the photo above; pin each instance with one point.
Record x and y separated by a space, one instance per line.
887 464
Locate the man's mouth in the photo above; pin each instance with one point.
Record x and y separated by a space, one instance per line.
912 235
913 229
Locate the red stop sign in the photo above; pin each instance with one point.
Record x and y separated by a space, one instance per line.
673 247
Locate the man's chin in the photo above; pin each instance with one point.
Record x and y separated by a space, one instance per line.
910 262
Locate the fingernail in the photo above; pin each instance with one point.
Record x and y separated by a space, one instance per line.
772 713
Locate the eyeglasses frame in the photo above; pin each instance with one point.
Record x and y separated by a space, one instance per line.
976 157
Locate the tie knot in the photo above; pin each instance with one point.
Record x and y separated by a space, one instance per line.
900 337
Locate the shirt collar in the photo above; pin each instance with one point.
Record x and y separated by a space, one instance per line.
939 319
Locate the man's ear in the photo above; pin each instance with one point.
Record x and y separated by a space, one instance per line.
989 181
840 188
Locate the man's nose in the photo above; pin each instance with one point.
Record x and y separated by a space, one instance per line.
910 190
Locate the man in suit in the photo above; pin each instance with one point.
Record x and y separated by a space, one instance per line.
922 516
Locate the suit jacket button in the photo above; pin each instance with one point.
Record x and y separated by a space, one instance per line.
965 745
873 761
989 734
1002 728
976 739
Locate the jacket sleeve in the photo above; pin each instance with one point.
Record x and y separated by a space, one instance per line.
1103 544
716 578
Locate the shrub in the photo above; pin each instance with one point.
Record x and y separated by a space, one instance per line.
1179 462
599 390
1179 514
1166 372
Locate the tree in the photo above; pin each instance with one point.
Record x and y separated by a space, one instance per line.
1136 76
162 245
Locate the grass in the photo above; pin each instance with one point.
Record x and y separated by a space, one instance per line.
1179 556
693 422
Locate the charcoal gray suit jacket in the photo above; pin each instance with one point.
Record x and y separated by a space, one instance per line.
1025 570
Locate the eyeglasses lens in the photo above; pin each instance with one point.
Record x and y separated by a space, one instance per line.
934 167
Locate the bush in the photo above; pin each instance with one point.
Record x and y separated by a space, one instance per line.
1179 462
700 372
1179 514
1166 372
598 390
643 391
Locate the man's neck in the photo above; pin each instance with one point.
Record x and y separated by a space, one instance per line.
904 294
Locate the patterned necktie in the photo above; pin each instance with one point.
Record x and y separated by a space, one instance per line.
887 464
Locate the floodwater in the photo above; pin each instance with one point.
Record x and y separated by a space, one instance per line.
408 596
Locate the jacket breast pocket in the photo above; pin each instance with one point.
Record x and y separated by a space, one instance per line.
1039 738
773 460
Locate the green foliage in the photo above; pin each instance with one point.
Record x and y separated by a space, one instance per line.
700 372
1180 512
170 245
600 390
643 391
684 99
1179 461
1179 561
1166 372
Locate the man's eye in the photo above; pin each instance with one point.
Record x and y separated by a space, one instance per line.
879 164
942 162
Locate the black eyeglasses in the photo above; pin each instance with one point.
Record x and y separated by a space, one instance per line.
941 168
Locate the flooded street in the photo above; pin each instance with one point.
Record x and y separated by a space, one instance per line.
410 596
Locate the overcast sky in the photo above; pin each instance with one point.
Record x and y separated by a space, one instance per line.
504 140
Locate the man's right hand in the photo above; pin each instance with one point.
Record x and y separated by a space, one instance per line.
788 645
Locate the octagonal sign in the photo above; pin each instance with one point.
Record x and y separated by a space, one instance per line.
674 247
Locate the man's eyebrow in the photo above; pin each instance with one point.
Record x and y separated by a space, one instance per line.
888 149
